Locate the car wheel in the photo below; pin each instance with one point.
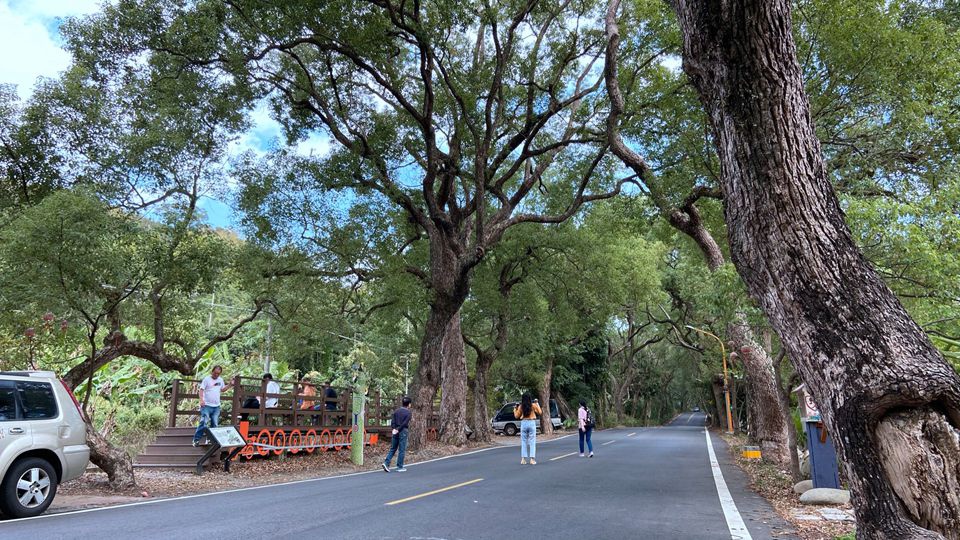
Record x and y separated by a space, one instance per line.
28 489
510 429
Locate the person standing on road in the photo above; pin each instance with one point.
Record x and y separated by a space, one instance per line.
210 388
398 442
527 412
586 423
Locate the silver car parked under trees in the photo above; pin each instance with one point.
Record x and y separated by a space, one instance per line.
42 441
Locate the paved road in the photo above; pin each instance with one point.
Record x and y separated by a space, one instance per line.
643 483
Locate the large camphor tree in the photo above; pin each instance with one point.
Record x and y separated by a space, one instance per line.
452 112
885 391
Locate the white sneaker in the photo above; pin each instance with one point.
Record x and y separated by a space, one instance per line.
402 469
581 454
591 454
385 468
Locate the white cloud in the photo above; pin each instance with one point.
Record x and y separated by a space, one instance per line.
316 145
28 34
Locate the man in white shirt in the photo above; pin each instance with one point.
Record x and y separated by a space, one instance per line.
273 387
209 391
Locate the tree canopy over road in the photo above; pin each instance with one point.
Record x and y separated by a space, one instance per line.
500 197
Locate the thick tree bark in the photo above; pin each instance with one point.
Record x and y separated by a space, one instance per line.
717 385
784 391
885 392
442 360
453 386
546 424
482 431
111 460
435 345
768 417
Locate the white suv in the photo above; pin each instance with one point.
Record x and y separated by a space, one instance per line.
42 440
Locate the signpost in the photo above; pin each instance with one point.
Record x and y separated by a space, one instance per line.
223 438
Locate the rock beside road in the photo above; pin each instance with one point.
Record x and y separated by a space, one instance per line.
802 487
825 496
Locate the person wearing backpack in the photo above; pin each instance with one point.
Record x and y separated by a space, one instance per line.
587 423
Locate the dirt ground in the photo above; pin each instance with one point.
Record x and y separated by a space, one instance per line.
777 487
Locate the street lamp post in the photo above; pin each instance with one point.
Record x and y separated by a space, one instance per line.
726 377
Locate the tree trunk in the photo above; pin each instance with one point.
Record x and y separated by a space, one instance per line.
767 415
717 385
482 430
546 424
111 460
784 392
734 409
453 386
426 381
442 360
885 392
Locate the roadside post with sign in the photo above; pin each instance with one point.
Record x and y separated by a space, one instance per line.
823 457
223 438
359 398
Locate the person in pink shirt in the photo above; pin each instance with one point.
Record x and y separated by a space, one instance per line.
586 423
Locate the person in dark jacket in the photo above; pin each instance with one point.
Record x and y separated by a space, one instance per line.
398 443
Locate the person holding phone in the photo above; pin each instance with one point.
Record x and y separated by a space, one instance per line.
527 412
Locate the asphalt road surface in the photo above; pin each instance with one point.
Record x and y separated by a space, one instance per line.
643 483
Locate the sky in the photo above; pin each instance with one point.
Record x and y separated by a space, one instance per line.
31 29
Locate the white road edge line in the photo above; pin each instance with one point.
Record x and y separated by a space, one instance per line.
252 488
690 418
608 442
738 529
563 456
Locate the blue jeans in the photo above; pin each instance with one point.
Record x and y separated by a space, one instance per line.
586 433
208 415
528 438
397 442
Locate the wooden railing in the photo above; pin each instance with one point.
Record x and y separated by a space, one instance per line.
298 405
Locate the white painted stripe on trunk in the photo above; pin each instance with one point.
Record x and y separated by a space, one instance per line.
738 529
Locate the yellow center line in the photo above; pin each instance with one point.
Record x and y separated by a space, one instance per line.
563 456
434 492
608 442
631 434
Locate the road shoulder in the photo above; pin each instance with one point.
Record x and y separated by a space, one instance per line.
758 514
